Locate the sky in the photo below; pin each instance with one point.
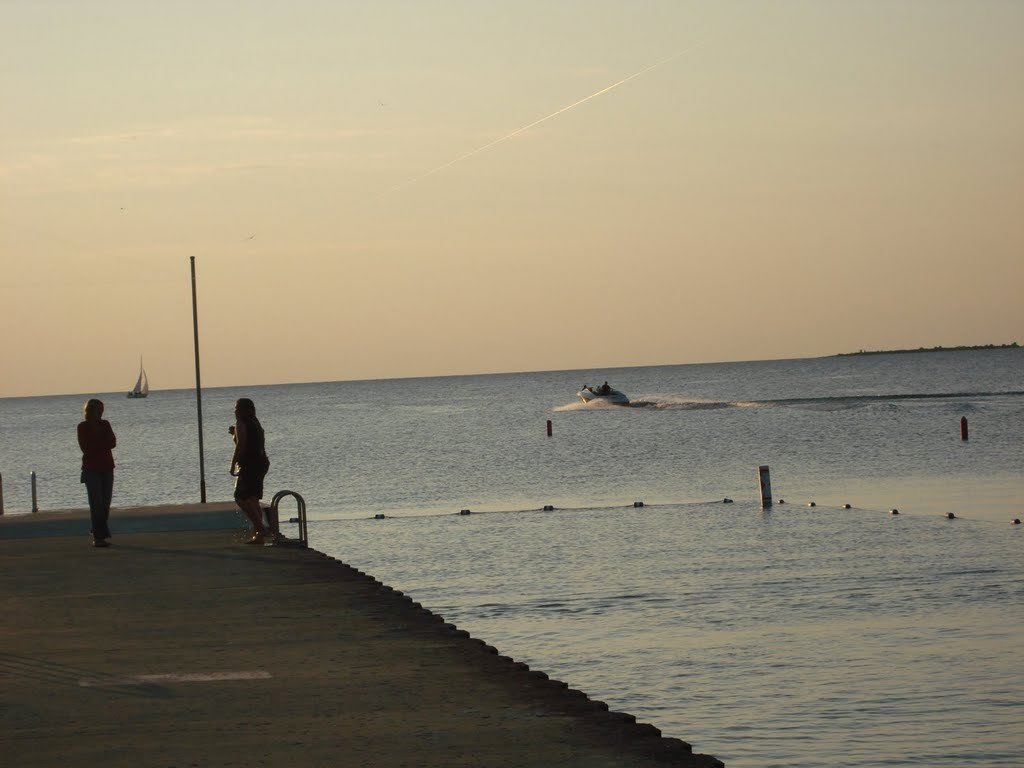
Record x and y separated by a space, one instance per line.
395 189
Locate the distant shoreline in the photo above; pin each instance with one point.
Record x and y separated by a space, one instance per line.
1013 345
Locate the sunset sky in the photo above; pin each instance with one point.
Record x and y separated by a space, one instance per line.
388 189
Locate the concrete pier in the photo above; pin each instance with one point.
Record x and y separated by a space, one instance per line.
180 645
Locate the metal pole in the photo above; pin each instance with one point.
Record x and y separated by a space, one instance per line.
35 501
1 494
199 388
766 485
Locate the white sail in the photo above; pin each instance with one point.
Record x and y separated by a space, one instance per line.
141 388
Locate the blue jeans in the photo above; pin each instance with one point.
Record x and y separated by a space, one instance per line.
100 487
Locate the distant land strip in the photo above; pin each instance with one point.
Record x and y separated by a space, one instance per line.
1012 345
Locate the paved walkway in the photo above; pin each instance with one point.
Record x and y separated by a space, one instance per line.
183 647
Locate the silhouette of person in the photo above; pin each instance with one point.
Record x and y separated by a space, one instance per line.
97 441
605 389
249 465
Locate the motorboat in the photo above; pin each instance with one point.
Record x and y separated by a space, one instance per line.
602 394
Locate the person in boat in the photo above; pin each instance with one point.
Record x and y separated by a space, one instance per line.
604 389
249 466
97 441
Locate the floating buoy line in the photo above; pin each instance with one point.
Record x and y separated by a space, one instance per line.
466 512
764 482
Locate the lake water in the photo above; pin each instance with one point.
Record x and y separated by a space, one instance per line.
798 635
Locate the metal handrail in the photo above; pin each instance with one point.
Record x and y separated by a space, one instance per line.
303 539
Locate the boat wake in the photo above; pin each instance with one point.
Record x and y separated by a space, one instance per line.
599 405
683 403
650 401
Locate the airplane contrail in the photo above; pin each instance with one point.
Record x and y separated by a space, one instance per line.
534 124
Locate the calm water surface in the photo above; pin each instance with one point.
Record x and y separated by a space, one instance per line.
815 636
791 637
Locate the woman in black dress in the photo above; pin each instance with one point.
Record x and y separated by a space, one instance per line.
249 465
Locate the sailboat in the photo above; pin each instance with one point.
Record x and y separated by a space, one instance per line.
141 388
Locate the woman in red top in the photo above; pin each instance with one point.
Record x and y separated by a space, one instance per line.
96 439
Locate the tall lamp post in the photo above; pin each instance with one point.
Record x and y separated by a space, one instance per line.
199 388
